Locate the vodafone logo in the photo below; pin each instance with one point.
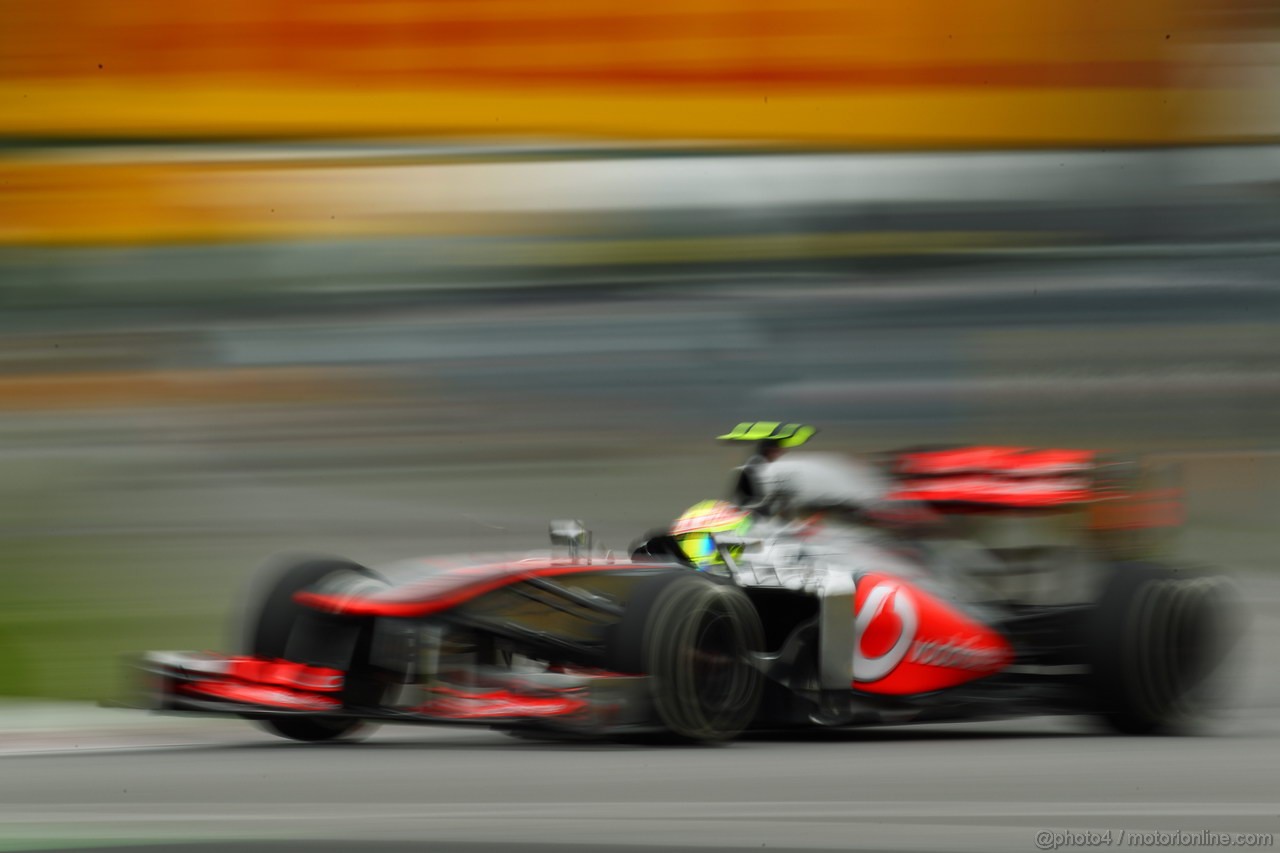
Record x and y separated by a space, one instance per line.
884 630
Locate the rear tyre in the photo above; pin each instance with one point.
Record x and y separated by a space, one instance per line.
277 627
1157 640
694 638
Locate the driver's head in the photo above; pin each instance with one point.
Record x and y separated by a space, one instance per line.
770 449
695 531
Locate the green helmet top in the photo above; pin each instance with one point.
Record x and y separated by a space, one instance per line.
784 435
695 531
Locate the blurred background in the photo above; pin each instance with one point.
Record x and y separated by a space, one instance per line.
390 277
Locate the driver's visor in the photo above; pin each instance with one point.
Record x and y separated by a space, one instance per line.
698 547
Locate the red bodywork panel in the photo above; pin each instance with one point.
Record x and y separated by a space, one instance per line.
1008 460
451 587
284 673
998 476
455 704
290 686
997 490
907 641
1019 478
255 681
262 694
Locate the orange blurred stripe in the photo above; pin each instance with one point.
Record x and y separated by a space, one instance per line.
902 118
180 388
915 73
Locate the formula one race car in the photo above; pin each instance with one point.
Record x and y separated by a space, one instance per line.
845 604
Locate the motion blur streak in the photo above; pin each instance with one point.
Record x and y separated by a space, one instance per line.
916 74
380 279
386 278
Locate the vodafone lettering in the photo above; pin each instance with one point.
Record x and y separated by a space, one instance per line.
957 654
905 641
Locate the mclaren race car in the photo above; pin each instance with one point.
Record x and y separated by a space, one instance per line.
852 594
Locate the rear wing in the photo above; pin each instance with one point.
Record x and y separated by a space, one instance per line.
992 478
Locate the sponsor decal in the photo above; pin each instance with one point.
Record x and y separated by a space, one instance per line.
709 515
884 631
958 653
905 641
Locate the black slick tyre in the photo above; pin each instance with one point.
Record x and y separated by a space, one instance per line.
277 627
694 637
1156 640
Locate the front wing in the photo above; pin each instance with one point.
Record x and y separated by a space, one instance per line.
578 700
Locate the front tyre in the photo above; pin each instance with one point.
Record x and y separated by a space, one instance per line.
694 638
276 627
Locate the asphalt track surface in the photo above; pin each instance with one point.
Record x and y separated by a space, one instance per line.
221 784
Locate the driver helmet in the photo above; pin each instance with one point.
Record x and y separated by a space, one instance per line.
695 531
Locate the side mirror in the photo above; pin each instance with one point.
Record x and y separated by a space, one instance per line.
571 535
